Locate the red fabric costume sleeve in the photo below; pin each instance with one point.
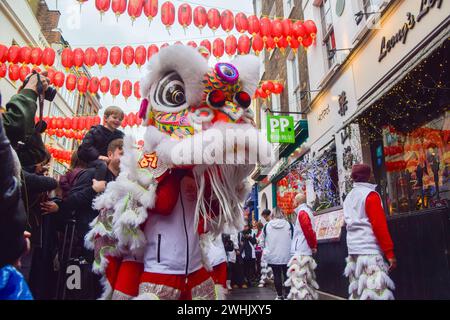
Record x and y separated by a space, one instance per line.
308 231
167 193
377 218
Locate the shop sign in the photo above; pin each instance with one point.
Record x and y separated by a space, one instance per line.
343 103
402 34
281 129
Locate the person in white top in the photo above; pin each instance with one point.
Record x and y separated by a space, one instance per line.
266 271
302 278
368 239
276 241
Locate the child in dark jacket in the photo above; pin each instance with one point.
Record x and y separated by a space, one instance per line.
93 149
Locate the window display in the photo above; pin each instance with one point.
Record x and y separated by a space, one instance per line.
417 165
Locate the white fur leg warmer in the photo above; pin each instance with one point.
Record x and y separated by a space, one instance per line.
302 278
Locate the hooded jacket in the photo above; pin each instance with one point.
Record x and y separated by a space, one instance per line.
276 241
96 142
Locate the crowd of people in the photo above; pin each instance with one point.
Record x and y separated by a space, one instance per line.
38 213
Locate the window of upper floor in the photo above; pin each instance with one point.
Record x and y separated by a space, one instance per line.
329 40
288 6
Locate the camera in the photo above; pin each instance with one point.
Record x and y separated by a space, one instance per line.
50 93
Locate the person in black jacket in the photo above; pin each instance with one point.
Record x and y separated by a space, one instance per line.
14 240
247 242
93 149
80 198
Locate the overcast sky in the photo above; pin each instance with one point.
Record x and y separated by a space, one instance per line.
87 30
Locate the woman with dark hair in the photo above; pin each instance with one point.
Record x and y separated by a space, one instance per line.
67 181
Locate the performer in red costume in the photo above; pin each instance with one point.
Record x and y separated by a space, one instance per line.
191 177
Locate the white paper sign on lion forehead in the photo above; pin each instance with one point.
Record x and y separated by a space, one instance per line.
200 115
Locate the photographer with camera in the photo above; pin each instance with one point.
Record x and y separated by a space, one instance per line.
18 120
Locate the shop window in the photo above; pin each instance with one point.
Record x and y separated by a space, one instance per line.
324 173
328 32
418 166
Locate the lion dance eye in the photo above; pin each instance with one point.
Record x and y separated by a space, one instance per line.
243 99
170 91
216 99
227 72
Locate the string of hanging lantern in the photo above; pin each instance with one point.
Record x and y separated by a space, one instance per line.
214 19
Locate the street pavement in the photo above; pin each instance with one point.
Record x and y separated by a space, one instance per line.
266 293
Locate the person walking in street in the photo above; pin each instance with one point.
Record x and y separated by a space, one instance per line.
368 238
276 241
266 271
302 278
247 242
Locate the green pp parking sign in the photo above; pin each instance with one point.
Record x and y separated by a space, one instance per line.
280 129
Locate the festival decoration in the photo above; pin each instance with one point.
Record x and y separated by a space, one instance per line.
214 19
128 56
185 16
119 7
104 85
90 57
150 10
135 8
241 22
115 56
227 21
200 17
243 45
218 48
48 57
102 57
231 45
168 15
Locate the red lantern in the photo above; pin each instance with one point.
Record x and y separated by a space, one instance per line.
268 87
128 56
59 123
70 134
137 90
192 44
102 57
3 70
307 42
25 55
135 8
243 44
277 30
104 85
231 45
71 82
78 58
115 88
287 28
253 25
282 44
207 44
82 84
214 19
265 28
37 69
58 79
97 120
48 57
165 45
67 123
67 58
124 121
81 123
227 20
89 123
115 56
3 53
150 9
119 7
270 44
241 22
261 93
138 120
94 84
294 44
24 72
58 153
14 54
185 15
200 17
257 44
50 74
168 14
152 50
102 5
311 28
299 31
50 132
131 119
90 57
36 56
52 123
277 88
127 89
140 56
218 48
